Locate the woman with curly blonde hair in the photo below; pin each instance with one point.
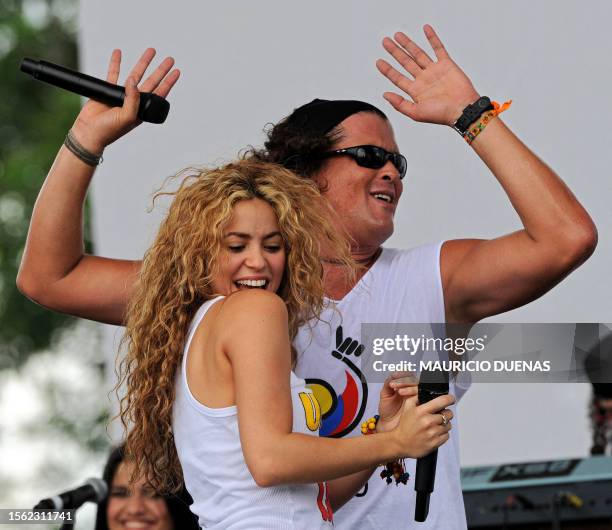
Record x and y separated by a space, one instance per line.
235 269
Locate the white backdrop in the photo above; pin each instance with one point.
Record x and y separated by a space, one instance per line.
245 64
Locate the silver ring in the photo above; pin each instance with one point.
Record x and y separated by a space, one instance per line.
444 418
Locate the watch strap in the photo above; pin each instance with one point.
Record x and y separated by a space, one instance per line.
471 113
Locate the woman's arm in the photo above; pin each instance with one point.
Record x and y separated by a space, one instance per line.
255 339
397 388
483 278
54 270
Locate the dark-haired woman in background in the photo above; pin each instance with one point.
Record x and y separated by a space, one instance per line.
138 506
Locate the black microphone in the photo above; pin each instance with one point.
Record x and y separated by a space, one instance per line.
431 385
93 490
153 108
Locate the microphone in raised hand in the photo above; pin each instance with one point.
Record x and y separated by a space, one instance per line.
152 108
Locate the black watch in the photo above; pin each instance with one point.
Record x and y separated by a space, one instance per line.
471 113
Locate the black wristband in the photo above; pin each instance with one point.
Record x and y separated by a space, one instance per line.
471 113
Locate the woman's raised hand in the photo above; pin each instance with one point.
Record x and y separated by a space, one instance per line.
99 125
438 89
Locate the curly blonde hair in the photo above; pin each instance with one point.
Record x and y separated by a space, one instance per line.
175 280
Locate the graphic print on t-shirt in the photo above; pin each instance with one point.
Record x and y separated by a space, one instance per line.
342 408
324 503
312 410
312 415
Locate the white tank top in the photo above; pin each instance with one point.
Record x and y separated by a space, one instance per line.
224 492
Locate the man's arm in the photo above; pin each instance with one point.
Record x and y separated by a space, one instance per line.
398 387
343 489
54 270
483 278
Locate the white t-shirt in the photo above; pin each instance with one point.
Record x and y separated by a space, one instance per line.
403 286
224 492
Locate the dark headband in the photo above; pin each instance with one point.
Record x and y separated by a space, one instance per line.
322 115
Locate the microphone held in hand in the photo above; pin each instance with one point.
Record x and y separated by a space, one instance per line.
94 490
152 109
431 386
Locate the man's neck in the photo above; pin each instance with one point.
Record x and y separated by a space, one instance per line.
361 255
337 284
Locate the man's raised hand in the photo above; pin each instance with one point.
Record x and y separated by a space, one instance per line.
438 89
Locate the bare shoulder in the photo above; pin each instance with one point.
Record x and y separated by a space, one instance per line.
252 308
253 325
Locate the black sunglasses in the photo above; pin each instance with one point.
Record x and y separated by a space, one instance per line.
372 157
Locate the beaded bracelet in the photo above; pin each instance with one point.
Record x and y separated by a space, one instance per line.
369 426
484 120
393 470
80 152
478 127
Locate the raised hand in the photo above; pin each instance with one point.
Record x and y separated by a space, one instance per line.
99 125
438 89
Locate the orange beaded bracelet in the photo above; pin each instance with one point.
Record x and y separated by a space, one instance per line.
395 470
369 426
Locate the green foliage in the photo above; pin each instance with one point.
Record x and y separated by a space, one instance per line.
34 120
54 433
